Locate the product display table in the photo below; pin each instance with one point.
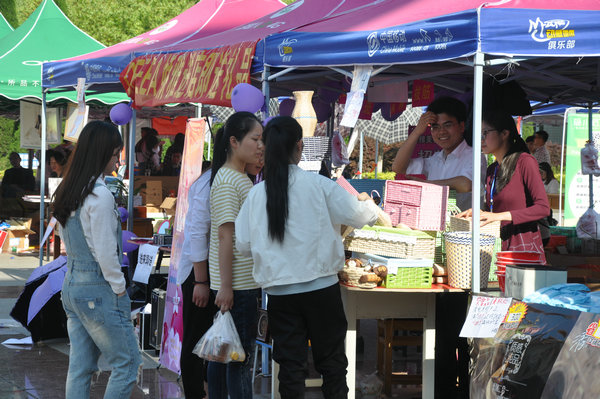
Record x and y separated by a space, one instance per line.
379 303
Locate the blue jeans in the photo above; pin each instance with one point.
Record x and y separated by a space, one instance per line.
235 378
98 322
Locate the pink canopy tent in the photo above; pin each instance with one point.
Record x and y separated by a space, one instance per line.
154 79
206 18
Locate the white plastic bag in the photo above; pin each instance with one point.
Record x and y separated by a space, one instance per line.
339 151
589 160
221 343
588 225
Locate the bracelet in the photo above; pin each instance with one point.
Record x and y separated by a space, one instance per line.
200 282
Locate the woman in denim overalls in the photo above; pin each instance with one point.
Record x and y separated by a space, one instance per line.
94 296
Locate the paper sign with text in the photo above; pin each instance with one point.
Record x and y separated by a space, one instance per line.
485 316
146 256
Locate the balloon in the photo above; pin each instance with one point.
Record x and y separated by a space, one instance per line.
346 83
246 97
127 246
286 107
386 112
120 114
123 214
267 120
322 109
328 95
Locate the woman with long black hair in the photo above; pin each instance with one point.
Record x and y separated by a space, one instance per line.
515 192
290 225
93 294
231 272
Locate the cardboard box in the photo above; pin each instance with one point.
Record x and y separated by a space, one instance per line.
17 238
169 205
169 185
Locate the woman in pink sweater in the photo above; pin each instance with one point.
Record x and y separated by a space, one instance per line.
514 190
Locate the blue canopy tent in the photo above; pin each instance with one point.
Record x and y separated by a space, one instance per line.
549 47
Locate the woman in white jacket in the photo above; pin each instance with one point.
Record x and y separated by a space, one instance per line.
290 225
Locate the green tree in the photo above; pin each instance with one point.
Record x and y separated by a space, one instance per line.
9 141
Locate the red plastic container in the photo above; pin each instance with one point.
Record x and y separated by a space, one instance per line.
501 281
519 257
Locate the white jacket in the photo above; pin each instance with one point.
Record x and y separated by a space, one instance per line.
312 246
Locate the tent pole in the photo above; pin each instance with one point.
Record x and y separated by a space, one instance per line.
476 186
265 89
561 217
130 168
376 157
591 139
360 154
42 178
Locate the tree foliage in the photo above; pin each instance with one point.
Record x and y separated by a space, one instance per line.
108 21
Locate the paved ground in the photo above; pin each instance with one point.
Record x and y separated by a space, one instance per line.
39 371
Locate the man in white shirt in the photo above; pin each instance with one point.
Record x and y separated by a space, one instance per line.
453 165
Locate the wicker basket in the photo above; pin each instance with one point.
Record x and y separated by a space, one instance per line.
419 205
458 261
397 243
352 275
316 148
464 224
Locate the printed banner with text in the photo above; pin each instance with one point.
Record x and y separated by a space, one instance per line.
204 76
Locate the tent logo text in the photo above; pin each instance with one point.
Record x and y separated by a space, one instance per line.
285 49
542 31
373 43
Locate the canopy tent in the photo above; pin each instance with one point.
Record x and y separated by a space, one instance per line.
42 37
222 60
206 18
547 46
5 27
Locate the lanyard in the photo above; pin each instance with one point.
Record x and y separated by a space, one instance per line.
492 189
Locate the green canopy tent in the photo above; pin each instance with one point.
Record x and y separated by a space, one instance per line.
5 27
46 35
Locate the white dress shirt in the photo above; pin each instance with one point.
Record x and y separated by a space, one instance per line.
197 227
312 246
458 163
99 220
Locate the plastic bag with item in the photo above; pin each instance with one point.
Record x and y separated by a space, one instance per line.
339 153
221 343
588 225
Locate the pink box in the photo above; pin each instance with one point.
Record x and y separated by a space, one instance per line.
420 206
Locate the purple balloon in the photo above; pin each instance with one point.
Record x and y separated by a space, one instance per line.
328 95
121 114
346 83
286 107
128 246
246 97
123 214
322 109
386 112
267 120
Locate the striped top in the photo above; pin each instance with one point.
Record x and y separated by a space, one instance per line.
227 194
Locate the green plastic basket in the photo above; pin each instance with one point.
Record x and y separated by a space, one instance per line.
410 277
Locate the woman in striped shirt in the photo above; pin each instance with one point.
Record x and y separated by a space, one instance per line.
230 272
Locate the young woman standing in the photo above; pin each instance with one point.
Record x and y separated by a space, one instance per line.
515 193
93 294
231 272
290 225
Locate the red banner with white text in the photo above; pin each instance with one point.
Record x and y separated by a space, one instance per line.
202 76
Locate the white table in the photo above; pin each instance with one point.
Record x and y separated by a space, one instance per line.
393 304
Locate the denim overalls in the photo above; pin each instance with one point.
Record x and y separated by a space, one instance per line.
98 320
